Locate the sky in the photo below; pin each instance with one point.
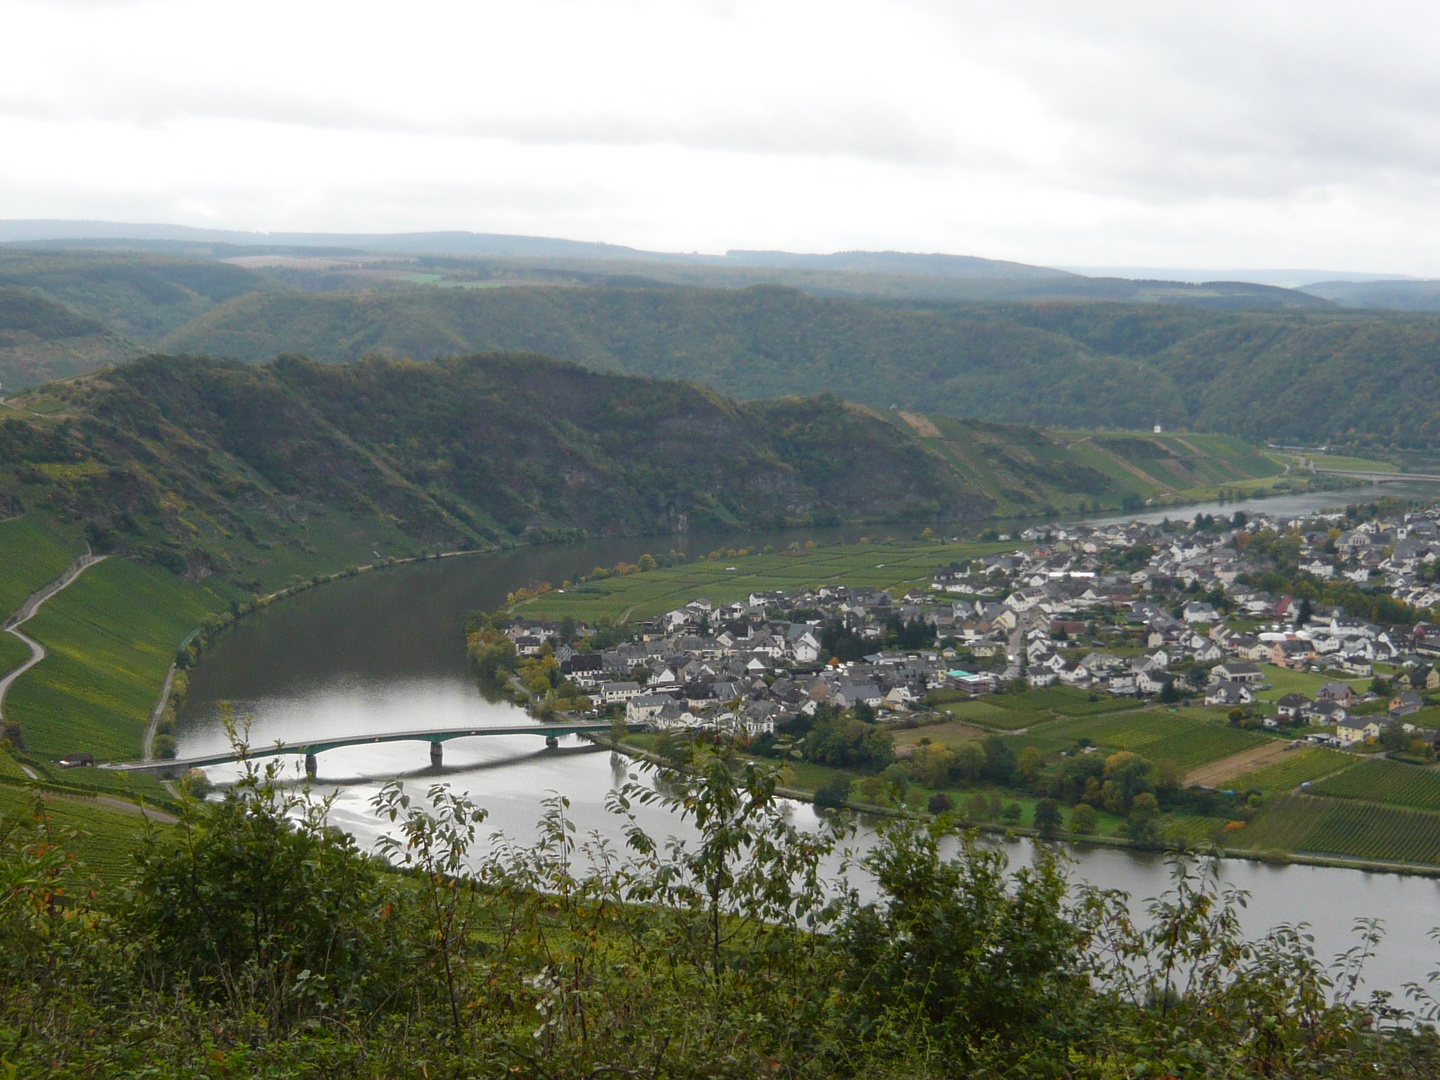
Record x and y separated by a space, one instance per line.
1255 134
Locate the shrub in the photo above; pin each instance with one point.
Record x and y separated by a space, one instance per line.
1083 820
832 794
939 803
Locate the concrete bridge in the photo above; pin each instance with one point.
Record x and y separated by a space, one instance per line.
437 737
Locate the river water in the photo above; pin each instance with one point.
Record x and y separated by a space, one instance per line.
384 652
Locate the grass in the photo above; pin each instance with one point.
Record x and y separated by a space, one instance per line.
1285 681
1350 464
111 637
1299 767
1186 741
884 565
32 554
1392 782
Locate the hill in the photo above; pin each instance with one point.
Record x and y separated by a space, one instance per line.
42 340
139 296
209 466
1387 295
1258 374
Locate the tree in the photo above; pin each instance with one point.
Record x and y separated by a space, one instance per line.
939 803
1083 820
831 795
1047 818
1169 694
1029 763
1143 824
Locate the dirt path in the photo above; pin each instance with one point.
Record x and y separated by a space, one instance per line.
27 612
1256 757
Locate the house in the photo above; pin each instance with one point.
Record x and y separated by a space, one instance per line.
1405 703
1293 706
1198 612
644 708
1229 694
1240 671
1291 653
1344 693
1350 732
619 691
1326 711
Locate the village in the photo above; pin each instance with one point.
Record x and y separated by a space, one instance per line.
1165 611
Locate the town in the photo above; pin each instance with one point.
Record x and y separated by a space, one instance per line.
1173 611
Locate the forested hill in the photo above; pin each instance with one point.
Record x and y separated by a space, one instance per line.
207 465
1337 377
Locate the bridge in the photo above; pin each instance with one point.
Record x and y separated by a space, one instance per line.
436 737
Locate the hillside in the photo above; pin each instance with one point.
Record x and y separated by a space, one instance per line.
138 296
211 466
42 340
1063 364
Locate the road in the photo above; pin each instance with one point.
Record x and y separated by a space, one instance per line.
27 612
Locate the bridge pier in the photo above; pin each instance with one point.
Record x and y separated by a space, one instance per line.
311 766
551 741
437 755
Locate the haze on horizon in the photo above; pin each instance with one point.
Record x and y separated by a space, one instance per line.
1278 134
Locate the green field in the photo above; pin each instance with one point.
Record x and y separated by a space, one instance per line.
32 555
1284 681
1284 824
1010 712
1393 782
898 565
1184 741
1297 768
1368 831
13 653
105 840
111 637
1349 464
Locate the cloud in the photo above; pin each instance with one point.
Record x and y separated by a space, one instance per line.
1225 133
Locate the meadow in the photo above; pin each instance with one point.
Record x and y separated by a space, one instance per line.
1013 712
110 637
1284 681
727 575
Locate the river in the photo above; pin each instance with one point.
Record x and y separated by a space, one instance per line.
383 652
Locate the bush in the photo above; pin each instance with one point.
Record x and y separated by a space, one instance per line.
939 803
164 746
1083 820
832 794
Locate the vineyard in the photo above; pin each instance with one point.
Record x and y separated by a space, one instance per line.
1382 781
1298 768
1285 824
1157 736
1370 831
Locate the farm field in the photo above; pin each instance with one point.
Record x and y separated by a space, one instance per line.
1222 771
732 576
34 554
111 636
1296 768
1369 831
13 653
1011 712
1382 781
105 840
1184 741
1284 824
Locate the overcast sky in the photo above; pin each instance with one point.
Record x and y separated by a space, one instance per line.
1198 135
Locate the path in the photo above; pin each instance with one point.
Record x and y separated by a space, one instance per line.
1246 761
27 612
147 748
